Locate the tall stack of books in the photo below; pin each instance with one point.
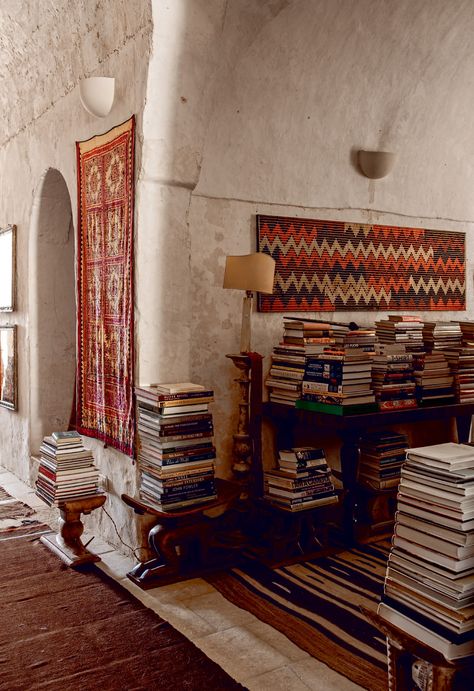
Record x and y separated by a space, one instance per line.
393 377
338 382
66 470
381 457
461 362
433 378
429 586
300 339
302 480
176 452
360 340
405 329
441 336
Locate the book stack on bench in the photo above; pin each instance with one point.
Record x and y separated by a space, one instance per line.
393 377
381 457
176 453
429 585
301 338
433 377
302 480
66 470
405 329
338 382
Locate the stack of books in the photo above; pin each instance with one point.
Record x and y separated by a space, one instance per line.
393 378
66 470
381 457
300 339
441 336
176 452
405 329
338 382
360 340
429 586
461 362
302 480
433 377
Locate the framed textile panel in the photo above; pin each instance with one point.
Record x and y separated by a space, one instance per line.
104 396
326 266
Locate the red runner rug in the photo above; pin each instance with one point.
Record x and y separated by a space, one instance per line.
65 630
104 403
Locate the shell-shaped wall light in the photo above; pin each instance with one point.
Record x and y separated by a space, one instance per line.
97 95
376 164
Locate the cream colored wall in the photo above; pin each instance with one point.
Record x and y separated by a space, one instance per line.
319 81
245 108
45 51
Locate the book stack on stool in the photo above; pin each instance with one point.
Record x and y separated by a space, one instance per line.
176 452
302 480
66 470
429 586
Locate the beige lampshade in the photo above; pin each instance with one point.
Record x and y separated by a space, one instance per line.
250 272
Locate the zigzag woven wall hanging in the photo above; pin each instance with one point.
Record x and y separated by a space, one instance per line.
326 266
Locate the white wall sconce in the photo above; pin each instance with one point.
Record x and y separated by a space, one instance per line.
97 95
376 164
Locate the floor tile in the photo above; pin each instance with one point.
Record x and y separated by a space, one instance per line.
277 640
184 590
281 679
242 654
115 564
217 611
319 677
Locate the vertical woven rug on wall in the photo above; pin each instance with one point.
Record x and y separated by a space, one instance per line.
66 630
104 402
316 605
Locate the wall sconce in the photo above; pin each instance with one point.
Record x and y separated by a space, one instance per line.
249 272
376 164
97 95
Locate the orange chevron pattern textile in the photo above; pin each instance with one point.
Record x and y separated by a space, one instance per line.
324 266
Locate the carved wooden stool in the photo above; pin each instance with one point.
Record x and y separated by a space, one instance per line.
67 544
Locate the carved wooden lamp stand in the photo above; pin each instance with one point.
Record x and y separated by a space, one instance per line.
251 272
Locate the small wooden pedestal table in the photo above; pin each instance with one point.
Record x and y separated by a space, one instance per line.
67 544
403 650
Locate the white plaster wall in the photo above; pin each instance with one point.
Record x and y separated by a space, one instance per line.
45 50
320 80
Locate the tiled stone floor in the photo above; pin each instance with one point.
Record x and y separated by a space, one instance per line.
253 653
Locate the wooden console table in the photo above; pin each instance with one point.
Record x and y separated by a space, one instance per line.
67 544
187 542
349 429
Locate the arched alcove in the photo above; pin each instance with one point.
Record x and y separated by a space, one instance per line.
52 309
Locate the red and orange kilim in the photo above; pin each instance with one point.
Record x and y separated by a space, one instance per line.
104 400
326 266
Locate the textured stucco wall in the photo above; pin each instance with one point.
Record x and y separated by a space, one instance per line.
46 48
317 82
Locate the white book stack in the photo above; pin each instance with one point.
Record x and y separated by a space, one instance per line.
429 586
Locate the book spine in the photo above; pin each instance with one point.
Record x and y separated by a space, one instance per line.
151 396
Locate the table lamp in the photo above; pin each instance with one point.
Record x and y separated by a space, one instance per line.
249 272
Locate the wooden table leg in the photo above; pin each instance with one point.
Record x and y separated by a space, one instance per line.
349 464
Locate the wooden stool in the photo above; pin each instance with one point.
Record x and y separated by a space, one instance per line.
403 650
184 540
67 545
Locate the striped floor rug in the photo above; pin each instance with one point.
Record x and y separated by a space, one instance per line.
316 605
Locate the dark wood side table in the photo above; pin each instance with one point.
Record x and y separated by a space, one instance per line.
403 650
187 542
349 429
67 544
